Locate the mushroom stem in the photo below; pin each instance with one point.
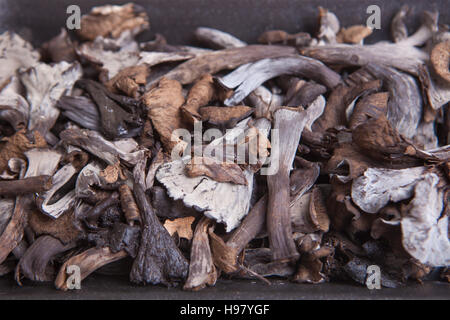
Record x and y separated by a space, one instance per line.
88 261
231 58
129 205
290 124
24 186
250 226
218 39
13 233
93 214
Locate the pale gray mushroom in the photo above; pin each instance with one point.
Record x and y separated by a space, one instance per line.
88 178
15 53
45 84
14 107
66 202
222 201
424 228
329 27
373 190
405 103
42 162
250 76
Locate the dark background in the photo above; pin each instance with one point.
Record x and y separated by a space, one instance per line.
39 20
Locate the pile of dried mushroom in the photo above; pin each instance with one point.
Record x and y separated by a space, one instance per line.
354 142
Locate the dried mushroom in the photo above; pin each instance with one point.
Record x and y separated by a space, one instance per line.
112 21
306 157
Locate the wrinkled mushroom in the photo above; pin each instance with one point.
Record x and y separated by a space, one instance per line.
202 271
159 260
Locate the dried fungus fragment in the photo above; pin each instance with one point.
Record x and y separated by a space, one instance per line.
16 53
14 108
181 226
303 94
6 211
36 262
224 202
111 173
110 56
88 261
338 101
13 232
81 110
440 59
63 202
282 37
159 260
216 170
435 93
318 211
226 117
112 20
119 115
370 106
405 58
129 81
290 123
380 140
202 271
398 27
24 186
329 26
201 93
424 228
96 144
213 62
405 102
45 84
309 270
16 145
163 104
217 39
128 205
62 228
60 48
378 186
354 34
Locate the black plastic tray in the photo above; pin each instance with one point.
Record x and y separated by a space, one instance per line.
39 20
